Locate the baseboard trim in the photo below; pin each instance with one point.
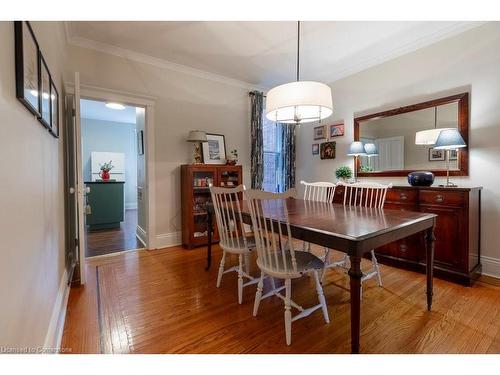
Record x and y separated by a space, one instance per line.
491 267
141 235
168 240
131 206
54 334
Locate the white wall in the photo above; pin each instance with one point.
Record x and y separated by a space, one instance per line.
109 136
32 201
467 62
183 102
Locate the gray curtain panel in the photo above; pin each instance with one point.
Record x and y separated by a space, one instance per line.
257 150
288 155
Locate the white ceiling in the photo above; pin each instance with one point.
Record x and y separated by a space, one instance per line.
96 110
264 53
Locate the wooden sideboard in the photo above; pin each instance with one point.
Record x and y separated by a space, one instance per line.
458 231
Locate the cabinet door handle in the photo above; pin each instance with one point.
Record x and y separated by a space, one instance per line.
403 196
403 248
439 198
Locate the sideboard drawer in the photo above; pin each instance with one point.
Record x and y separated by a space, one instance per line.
444 198
405 196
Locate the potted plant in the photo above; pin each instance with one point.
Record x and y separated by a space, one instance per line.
343 173
105 168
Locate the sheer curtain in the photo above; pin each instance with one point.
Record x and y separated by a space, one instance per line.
257 149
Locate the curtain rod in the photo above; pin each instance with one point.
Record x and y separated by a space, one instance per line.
251 93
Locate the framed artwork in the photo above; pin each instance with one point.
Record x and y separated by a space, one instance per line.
44 98
54 110
327 150
337 130
214 150
319 132
436 155
453 155
27 67
315 148
140 142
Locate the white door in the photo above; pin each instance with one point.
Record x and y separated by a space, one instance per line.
80 185
391 154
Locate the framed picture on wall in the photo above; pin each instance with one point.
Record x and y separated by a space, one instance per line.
27 67
453 155
337 129
214 150
327 150
44 98
315 148
319 132
436 155
54 110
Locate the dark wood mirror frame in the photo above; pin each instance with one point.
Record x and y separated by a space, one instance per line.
463 127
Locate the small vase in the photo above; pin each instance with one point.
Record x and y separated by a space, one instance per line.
104 175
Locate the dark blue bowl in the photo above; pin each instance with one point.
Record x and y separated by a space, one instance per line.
421 178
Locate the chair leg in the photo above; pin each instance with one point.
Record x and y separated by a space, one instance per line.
258 293
321 297
221 269
288 312
240 279
323 271
376 268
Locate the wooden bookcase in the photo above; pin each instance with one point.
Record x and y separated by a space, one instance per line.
195 193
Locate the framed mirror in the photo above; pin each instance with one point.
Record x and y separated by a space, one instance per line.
391 137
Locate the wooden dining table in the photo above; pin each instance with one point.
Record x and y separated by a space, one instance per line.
354 231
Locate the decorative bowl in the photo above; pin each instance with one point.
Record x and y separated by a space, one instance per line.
421 178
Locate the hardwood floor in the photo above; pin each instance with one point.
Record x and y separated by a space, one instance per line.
163 301
107 241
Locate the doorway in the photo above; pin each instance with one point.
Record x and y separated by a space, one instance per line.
112 150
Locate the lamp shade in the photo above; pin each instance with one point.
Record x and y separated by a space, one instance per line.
428 137
299 102
356 148
449 139
371 149
197 136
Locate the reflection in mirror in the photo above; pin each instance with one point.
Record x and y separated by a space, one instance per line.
393 138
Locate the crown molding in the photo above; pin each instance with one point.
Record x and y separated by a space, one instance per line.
154 61
444 33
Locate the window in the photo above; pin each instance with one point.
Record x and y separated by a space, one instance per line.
272 156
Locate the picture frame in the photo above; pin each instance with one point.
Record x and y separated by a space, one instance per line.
44 94
140 142
214 150
319 132
27 66
337 130
54 109
327 150
453 155
436 155
315 148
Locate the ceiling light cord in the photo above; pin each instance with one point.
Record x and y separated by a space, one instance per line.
298 51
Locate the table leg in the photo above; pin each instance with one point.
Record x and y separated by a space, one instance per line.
429 258
355 275
209 235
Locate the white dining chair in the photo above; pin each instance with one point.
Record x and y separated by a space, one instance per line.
276 256
363 194
232 236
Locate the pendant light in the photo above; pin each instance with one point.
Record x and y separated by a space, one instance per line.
301 101
429 137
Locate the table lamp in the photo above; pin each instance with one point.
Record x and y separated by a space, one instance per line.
371 151
449 139
356 149
197 137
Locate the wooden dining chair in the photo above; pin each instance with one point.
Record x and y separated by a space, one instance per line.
370 195
232 236
276 256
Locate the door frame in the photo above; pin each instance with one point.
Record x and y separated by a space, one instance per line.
136 100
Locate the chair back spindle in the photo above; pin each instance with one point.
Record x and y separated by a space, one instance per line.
318 191
365 194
